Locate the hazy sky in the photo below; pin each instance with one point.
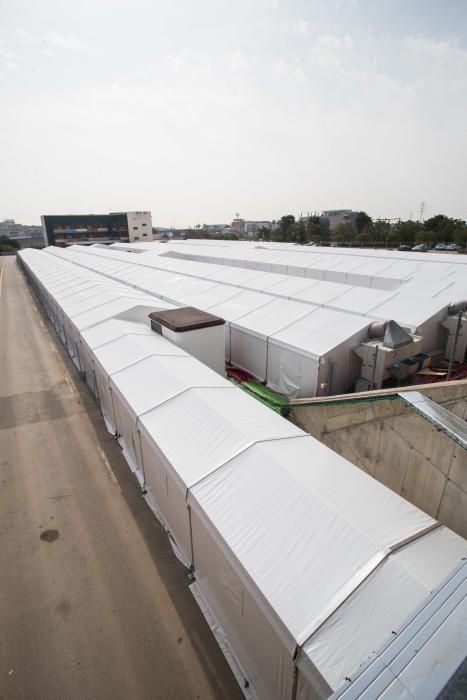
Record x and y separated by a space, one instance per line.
197 109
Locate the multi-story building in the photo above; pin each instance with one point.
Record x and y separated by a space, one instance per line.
238 225
24 235
334 217
252 228
66 229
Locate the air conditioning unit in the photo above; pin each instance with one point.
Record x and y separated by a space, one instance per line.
200 334
395 355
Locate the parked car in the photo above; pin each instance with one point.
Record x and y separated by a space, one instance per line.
454 246
405 247
441 246
421 248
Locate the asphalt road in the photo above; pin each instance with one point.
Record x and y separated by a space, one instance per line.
93 603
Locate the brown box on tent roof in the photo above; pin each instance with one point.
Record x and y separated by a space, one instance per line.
187 318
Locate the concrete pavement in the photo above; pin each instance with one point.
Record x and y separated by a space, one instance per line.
93 603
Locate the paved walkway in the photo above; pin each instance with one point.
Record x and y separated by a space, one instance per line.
93 603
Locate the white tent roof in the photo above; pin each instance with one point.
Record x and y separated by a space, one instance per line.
129 349
321 331
400 303
322 292
274 491
239 305
222 422
291 287
78 303
219 294
85 288
361 298
408 310
111 309
365 620
112 329
154 380
278 314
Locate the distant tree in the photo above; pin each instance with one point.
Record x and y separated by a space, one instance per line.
343 232
362 220
366 235
300 232
408 231
317 229
443 229
382 229
9 243
285 230
392 236
460 235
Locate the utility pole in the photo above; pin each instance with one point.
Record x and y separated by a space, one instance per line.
422 209
454 345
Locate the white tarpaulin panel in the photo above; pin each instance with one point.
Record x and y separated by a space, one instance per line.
250 336
222 422
364 622
304 561
146 384
312 545
119 354
396 295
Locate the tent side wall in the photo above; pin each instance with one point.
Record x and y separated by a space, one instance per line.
165 497
261 652
346 366
104 393
249 352
290 373
127 431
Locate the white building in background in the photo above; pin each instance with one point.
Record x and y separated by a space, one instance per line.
139 226
25 235
252 228
335 217
238 224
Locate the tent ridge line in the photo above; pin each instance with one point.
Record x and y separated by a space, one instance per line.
112 340
174 396
361 576
246 447
136 362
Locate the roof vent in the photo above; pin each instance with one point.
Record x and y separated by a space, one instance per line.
395 336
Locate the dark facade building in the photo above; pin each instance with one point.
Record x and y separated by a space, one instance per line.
86 229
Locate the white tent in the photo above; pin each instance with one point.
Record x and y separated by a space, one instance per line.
146 384
119 353
216 424
313 356
306 564
283 536
249 338
401 291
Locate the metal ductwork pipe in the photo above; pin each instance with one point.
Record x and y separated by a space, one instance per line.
377 329
458 307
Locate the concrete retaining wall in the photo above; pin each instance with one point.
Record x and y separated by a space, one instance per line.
398 447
